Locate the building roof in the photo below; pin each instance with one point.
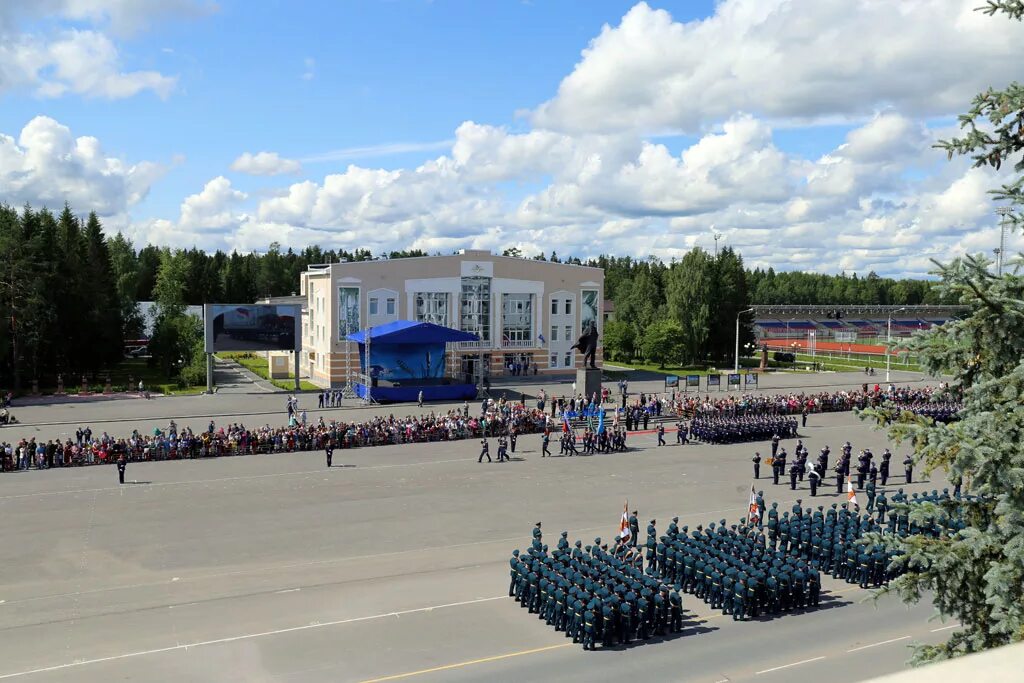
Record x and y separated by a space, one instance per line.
323 268
411 332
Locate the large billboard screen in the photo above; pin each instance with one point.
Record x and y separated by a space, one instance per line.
253 327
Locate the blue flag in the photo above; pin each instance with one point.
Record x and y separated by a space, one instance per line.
600 422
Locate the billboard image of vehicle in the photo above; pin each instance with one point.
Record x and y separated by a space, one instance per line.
252 327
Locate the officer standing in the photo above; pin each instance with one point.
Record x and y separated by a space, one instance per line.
757 465
544 442
661 434
908 466
883 470
121 464
485 449
775 445
634 529
329 451
812 479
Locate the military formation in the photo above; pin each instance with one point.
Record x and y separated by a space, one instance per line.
867 473
766 564
946 411
740 429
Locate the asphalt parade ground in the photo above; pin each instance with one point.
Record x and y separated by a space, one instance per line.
393 565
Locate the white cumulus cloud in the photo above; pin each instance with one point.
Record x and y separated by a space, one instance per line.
265 163
46 166
792 60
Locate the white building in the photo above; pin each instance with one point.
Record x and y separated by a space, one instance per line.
524 311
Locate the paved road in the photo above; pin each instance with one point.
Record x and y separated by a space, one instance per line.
274 568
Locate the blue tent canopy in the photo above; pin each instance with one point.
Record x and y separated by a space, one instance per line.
411 332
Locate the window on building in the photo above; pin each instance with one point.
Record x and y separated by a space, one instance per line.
554 333
554 360
554 307
568 333
568 359
475 307
432 307
373 305
516 318
568 306
390 306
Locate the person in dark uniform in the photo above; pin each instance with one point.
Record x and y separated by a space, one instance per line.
908 467
681 430
813 479
544 442
329 451
775 444
512 436
883 470
121 464
485 449
794 471
661 434
634 529
757 465
803 418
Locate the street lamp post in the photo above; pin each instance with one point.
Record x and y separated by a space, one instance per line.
1002 212
888 341
736 368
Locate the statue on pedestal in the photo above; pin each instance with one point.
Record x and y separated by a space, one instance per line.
587 344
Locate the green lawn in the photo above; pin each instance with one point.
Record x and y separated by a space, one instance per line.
124 376
840 362
258 366
681 371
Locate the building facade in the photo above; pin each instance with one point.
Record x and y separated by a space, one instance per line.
527 313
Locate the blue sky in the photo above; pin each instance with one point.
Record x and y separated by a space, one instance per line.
682 118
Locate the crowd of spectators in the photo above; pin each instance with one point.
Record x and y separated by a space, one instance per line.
89 448
495 417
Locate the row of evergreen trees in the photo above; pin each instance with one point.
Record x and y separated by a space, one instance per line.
69 295
59 296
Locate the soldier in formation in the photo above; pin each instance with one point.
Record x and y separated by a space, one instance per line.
737 429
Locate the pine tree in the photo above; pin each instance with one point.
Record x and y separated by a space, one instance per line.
976 575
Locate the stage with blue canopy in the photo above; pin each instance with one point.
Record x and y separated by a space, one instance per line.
402 358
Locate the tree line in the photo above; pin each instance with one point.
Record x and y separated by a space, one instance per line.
69 295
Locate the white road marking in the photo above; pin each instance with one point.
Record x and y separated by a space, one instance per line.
288 590
884 642
246 636
784 666
945 628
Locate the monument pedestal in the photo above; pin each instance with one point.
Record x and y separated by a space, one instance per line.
588 382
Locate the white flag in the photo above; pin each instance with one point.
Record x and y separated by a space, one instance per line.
754 515
625 533
851 495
